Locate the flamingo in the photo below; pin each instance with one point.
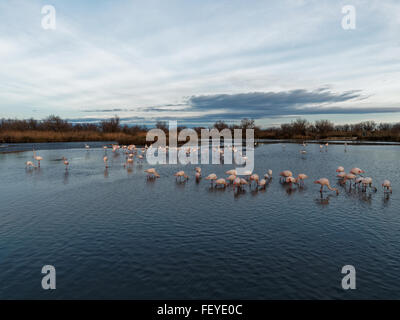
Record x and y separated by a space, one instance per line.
341 175
105 160
231 172
325 182
198 176
300 178
350 177
212 177
129 161
181 174
37 158
66 163
243 182
367 182
387 186
152 173
285 174
340 169
254 177
236 183
290 180
262 183
198 169
220 182
231 178
357 171
247 173
30 164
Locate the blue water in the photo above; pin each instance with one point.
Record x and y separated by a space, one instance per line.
113 234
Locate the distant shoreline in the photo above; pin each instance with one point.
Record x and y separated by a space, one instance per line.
28 146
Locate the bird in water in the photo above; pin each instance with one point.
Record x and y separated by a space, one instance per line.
212 177
152 173
66 163
324 182
37 158
105 160
181 174
387 186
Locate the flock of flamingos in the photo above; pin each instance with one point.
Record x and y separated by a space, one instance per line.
354 178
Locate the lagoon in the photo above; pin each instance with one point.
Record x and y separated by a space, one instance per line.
113 234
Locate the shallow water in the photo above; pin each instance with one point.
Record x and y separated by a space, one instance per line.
113 234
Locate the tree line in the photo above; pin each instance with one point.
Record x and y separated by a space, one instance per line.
296 129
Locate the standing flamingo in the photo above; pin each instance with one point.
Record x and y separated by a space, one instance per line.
220 182
231 172
285 174
198 176
254 177
212 177
325 182
66 163
30 164
181 174
340 169
37 158
262 183
387 186
357 171
350 176
290 180
152 173
367 182
300 178
105 160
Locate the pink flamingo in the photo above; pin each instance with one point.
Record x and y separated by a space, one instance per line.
37 158
350 176
212 177
236 183
357 171
262 183
340 169
181 174
367 182
300 178
285 174
254 177
152 173
198 176
105 160
220 182
231 178
341 175
30 164
231 172
66 163
325 182
387 186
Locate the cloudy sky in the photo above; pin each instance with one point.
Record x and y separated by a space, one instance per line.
201 61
